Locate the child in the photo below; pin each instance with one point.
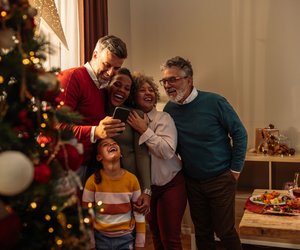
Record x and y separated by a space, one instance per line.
113 190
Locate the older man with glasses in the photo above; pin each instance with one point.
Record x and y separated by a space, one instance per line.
212 143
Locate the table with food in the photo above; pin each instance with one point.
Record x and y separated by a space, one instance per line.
274 202
271 218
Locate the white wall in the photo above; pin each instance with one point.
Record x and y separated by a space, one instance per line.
245 50
119 24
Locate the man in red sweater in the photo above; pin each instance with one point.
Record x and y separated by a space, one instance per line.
83 90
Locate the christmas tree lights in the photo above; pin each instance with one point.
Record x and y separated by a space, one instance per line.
39 203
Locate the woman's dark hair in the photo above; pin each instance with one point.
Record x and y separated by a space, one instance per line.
126 71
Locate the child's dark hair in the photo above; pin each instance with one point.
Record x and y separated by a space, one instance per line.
98 177
97 165
94 165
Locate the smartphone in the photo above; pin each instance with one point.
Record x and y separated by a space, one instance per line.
121 113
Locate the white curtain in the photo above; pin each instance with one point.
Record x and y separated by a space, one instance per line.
62 57
266 38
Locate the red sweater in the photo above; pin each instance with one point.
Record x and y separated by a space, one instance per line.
82 95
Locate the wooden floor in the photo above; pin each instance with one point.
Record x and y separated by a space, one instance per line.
186 241
186 244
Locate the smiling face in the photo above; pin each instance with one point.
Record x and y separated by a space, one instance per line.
106 65
119 89
145 97
108 151
177 86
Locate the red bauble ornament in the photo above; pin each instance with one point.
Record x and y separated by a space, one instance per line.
24 119
69 157
42 173
44 139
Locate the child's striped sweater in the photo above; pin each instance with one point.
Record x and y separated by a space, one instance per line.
115 216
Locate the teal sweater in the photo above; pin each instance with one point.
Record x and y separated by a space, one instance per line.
211 137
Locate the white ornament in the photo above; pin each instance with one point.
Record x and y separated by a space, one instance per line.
16 172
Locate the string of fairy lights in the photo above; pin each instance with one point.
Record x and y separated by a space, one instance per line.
10 39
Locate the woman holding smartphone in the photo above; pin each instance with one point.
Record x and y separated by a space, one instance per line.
135 157
158 132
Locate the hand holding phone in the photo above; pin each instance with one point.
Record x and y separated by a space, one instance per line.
121 113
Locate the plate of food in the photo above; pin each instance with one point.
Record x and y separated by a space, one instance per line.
273 198
281 210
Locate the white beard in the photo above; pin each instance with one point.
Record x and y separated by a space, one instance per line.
178 97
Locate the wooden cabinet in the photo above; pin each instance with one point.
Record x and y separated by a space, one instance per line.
270 172
263 172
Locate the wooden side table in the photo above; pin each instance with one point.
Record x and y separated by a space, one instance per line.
270 230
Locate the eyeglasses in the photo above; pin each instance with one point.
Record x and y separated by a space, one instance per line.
170 80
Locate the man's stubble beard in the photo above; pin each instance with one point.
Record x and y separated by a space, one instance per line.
103 82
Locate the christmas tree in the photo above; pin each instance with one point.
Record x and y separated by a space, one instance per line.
39 204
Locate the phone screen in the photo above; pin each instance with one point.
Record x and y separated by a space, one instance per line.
121 113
